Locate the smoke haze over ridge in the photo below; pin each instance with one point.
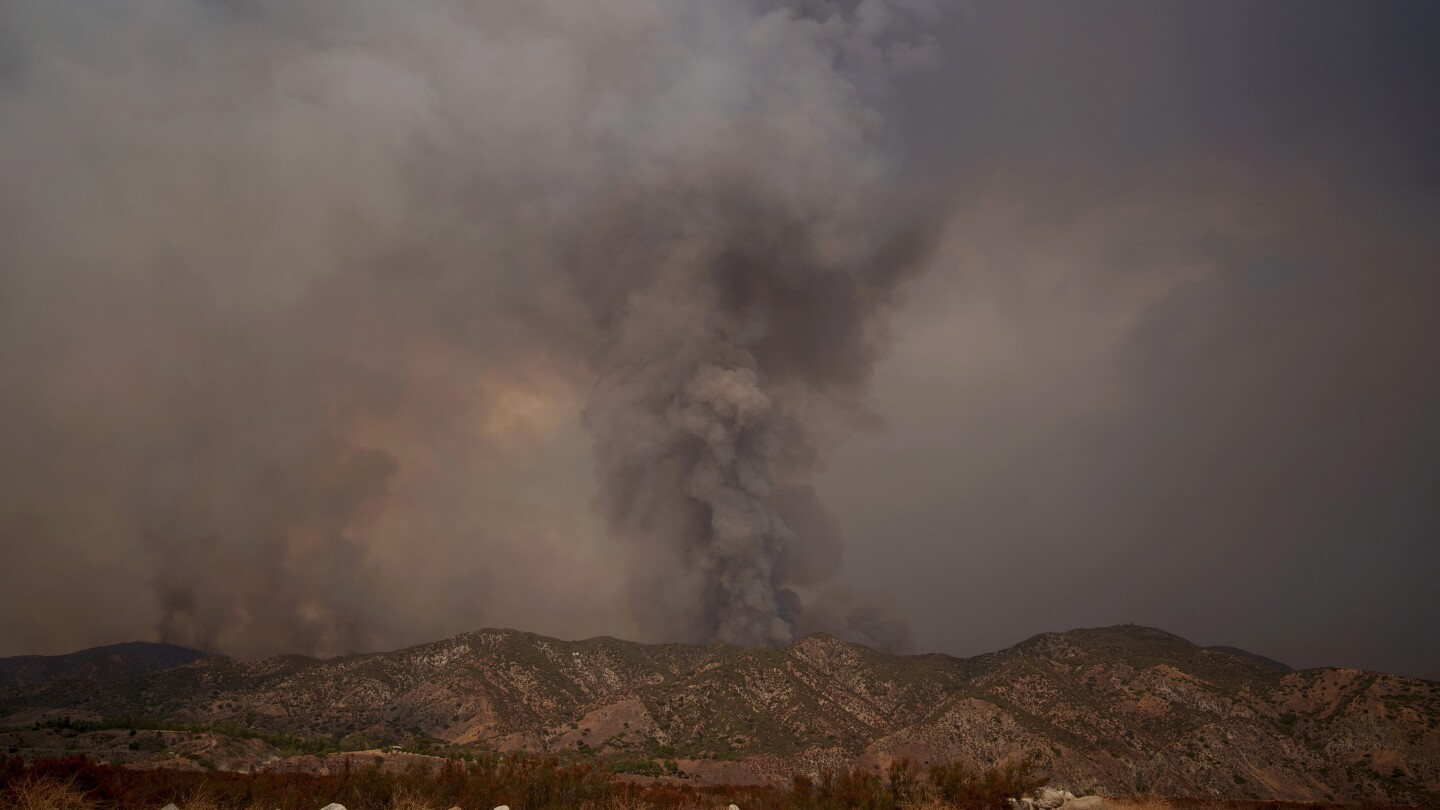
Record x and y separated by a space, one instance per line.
248 228
338 326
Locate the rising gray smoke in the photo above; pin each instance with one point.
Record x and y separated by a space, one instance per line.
717 362
289 292
744 291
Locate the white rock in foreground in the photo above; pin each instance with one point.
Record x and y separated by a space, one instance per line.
1049 798
333 806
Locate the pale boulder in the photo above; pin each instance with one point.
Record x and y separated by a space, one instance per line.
1048 798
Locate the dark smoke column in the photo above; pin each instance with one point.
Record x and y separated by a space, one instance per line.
740 287
685 436
699 417
739 284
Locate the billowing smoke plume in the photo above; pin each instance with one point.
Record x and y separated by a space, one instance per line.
733 341
297 302
745 282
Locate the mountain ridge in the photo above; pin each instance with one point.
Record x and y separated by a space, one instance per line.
1117 709
101 664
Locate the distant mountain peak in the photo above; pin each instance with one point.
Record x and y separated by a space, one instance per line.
103 664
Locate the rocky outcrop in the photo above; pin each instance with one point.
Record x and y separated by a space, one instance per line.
1049 798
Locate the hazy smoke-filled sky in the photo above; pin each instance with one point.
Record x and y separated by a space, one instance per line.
339 326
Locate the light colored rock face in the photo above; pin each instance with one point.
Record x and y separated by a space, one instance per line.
503 807
733 807
1086 803
1049 798
333 806
170 806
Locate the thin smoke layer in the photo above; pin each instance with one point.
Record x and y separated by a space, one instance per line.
238 238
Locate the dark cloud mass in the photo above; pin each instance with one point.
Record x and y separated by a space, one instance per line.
337 326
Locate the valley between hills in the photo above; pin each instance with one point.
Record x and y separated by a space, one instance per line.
1115 711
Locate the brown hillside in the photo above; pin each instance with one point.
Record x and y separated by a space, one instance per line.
1120 710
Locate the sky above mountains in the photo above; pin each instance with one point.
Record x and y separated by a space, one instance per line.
346 327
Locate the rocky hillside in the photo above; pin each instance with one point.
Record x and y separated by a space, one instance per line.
1112 710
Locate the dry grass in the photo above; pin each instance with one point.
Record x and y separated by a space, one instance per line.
927 801
199 800
625 800
1139 803
406 800
619 801
45 794
1148 803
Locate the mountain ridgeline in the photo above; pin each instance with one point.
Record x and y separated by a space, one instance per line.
1115 710
97 664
